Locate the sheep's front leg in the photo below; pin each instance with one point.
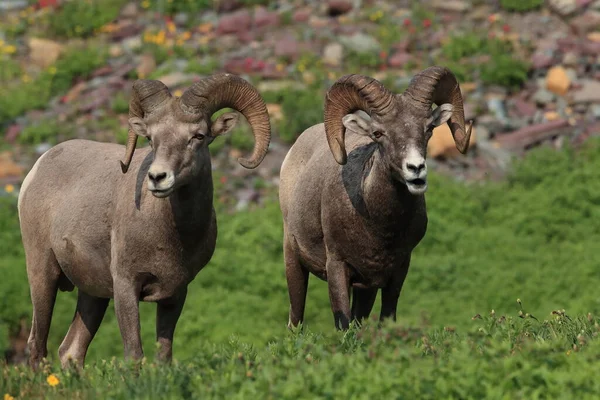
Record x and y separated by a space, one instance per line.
127 294
167 315
391 292
338 283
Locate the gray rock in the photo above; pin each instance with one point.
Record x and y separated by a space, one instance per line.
496 106
452 5
588 93
181 18
360 43
333 54
8 5
563 7
132 43
543 96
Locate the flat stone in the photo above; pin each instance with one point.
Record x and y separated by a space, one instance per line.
563 7
399 59
263 17
360 43
333 54
44 52
238 21
589 92
452 5
442 143
8 168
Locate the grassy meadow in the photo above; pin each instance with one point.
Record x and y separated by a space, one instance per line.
460 333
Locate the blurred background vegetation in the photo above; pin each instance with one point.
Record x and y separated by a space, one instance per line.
516 218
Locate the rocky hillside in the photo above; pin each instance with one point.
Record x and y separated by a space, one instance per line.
529 70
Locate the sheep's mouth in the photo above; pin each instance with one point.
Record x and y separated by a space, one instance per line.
416 186
161 193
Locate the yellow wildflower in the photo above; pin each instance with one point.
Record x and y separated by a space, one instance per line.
146 4
205 28
9 189
331 75
52 380
279 67
186 35
171 27
160 37
178 93
8 397
52 70
26 78
301 67
10 49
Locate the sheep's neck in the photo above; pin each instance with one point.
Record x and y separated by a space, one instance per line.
388 202
191 205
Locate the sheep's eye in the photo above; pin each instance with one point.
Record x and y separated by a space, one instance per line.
198 136
377 134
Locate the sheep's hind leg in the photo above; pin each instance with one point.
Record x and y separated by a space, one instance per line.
43 273
86 321
362 303
338 283
167 315
391 293
297 281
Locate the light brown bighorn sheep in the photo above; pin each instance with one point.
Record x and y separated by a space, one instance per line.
86 223
355 223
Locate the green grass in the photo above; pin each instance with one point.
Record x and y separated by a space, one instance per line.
531 237
497 358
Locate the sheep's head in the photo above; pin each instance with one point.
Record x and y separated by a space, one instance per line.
180 129
401 125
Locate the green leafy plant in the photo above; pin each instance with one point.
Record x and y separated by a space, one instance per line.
521 5
462 54
82 18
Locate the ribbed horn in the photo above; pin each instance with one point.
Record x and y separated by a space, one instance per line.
146 96
439 85
348 94
225 90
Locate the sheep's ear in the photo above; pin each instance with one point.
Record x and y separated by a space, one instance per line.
138 126
356 124
440 115
224 124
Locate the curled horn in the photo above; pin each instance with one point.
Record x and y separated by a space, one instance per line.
225 90
439 85
348 94
146 96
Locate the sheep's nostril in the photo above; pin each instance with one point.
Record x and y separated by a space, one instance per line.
157 177
415 168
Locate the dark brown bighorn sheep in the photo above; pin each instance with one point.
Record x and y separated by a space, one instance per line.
86 223
355 223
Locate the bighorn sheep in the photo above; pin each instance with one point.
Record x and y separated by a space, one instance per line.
85 223
356 224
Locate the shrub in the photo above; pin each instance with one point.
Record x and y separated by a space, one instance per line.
301 109
81 18
521 5
29 95
462 55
